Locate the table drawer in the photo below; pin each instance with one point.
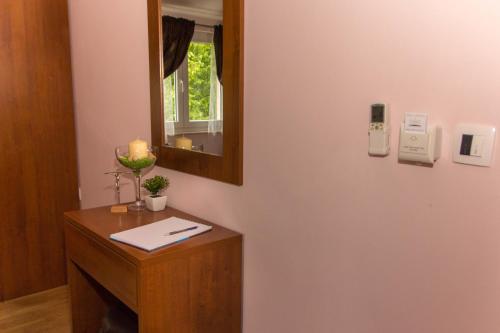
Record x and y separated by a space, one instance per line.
111 270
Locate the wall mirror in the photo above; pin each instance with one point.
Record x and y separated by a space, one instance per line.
196 82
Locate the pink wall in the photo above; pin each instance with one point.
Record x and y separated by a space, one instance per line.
335 241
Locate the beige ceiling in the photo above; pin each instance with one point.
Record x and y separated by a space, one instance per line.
211 5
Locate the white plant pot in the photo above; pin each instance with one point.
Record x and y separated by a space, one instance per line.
156 203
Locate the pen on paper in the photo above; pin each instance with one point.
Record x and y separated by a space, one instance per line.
179 231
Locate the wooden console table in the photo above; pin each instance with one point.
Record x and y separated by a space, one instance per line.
193 286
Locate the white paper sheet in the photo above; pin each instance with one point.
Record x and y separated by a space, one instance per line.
155 235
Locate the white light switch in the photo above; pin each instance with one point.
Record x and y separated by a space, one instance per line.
477 146
473 144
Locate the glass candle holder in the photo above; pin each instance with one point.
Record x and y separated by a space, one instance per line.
136 163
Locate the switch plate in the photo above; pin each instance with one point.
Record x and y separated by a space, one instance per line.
473 144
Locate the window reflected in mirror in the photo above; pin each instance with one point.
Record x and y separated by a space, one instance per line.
192 87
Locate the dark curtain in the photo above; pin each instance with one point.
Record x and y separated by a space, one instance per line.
177 34
218 50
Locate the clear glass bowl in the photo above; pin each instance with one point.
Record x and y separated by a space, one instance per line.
136 163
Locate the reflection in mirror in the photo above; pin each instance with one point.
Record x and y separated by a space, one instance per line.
192 83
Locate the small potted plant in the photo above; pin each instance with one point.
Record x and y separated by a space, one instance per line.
155 185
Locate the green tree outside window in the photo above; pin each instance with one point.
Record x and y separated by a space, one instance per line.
199 68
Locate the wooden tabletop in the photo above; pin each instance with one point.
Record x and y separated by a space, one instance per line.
99 223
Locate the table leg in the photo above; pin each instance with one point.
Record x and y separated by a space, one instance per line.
88 301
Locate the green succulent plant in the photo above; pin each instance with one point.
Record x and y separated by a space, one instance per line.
156 184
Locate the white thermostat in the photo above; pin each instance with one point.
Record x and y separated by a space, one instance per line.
379 130
473 144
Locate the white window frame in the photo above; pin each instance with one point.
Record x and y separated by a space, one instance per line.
183 125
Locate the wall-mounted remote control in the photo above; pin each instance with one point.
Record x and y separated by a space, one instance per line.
379 131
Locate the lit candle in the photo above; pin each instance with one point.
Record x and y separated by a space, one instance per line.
137 150
184 143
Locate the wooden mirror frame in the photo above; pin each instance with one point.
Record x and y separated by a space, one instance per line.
228 167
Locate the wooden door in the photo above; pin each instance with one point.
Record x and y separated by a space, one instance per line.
38 177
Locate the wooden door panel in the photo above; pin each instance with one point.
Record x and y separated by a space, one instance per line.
38 178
